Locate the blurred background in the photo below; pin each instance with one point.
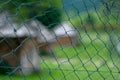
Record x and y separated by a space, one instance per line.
77 39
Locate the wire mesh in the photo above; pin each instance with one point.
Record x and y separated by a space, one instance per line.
81 42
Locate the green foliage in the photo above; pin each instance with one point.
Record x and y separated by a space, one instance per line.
112 0
47 12
90 19
50 17
4 68
96 19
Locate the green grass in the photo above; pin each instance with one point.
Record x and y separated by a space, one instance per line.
91 60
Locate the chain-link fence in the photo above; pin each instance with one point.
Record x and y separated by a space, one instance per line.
59 40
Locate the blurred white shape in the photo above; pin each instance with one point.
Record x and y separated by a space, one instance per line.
34 28
65 29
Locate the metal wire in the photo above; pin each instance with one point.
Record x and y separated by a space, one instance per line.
89 50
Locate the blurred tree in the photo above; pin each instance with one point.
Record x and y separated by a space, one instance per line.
90 20
111 5
47 12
